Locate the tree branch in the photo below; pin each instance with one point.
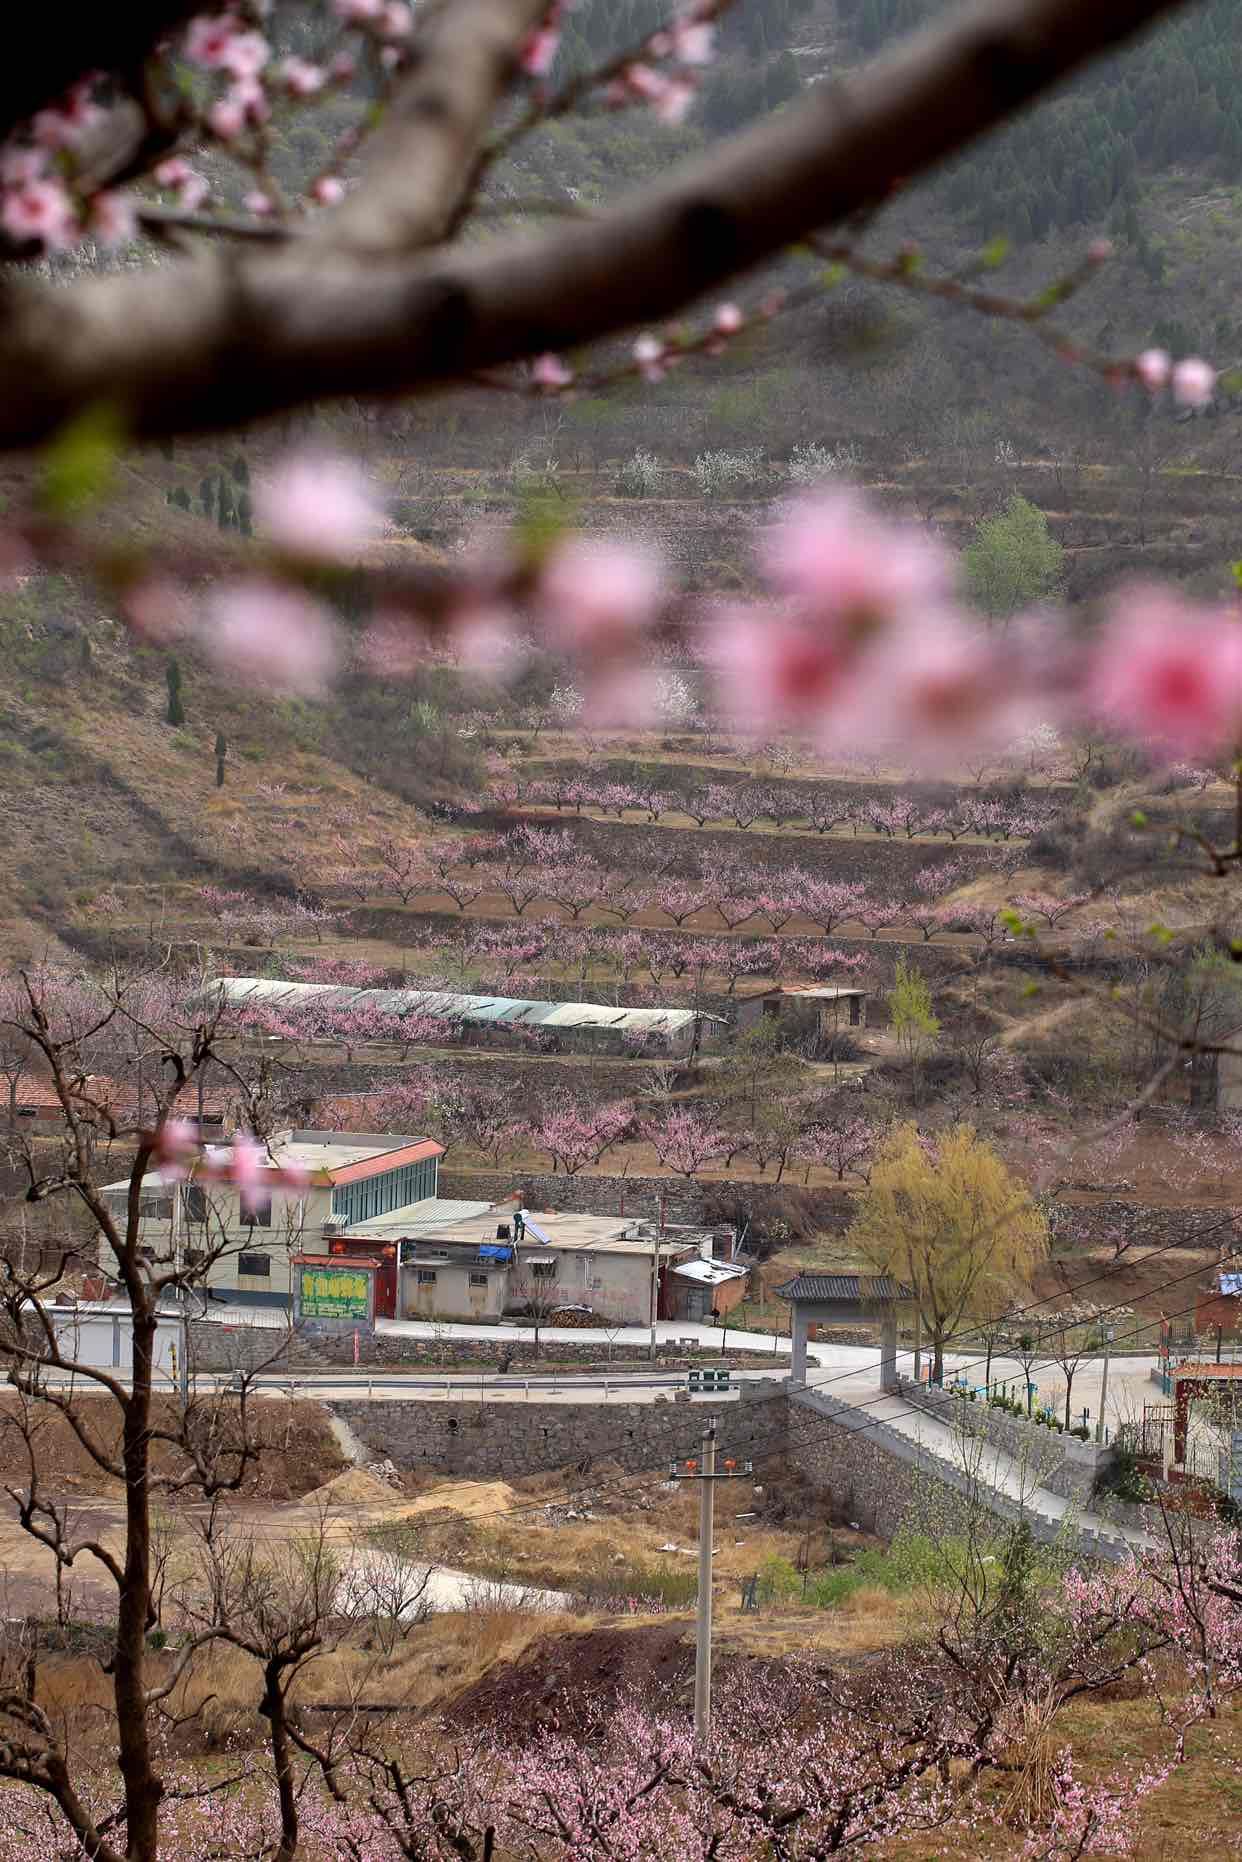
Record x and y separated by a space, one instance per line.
423 158
227 337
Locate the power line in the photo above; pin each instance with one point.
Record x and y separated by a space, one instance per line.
778 1436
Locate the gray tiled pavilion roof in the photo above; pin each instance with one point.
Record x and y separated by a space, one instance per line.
843 1287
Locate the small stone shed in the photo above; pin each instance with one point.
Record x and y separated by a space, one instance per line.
824 1011
844 1299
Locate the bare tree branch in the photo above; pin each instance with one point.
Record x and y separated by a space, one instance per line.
226 337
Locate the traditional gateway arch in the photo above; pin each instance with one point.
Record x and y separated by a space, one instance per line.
845 1299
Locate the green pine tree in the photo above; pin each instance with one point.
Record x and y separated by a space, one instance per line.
176 710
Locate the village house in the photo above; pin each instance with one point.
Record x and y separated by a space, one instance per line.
371 1237
484 1262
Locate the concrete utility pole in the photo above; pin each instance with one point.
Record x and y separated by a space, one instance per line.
707 1476
703 1631
1102 1423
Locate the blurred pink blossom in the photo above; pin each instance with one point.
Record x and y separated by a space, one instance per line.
694 41
1166 671
300 78
261 631
257 202
548 371
650 355
855 569
329 190
483 641
317 506
176 1148
597 597
113 218
21 164
538 54
396 21
357 11
1155 366
156 609
728 319
939 688
773 669
39 210
227 117
176 174
1194 382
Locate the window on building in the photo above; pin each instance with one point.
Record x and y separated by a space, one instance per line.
426 1276
195 1197
259 1214
543 1270
259 1266
478 1280
155 1208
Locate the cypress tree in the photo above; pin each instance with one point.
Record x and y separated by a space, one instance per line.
222 750
176 710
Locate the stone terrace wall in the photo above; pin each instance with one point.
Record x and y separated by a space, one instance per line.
633 845
482 1441
1151 1225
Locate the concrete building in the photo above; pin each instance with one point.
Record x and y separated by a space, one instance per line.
354 1177
371 1237
549 1027
482 1262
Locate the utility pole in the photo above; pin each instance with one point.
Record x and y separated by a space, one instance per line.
707 1476
1102 1422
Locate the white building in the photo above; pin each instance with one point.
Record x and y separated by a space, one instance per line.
355 1176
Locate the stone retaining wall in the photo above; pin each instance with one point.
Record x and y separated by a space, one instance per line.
489 1441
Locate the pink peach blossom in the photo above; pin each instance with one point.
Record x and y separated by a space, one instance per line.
176 1148
269 634
300 78
113 218
157 609
396 21
1194 382
227 117
1155 367
598 598
548 371
257 202
772 668
21 164
853 568
317 505
355 12
328 190
728 319
651 356
39 210
1166 671
538 54
208 38
694 41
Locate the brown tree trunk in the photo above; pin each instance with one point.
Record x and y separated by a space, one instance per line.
143 1786
272 1707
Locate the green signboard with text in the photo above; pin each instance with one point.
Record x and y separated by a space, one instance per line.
335 1293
